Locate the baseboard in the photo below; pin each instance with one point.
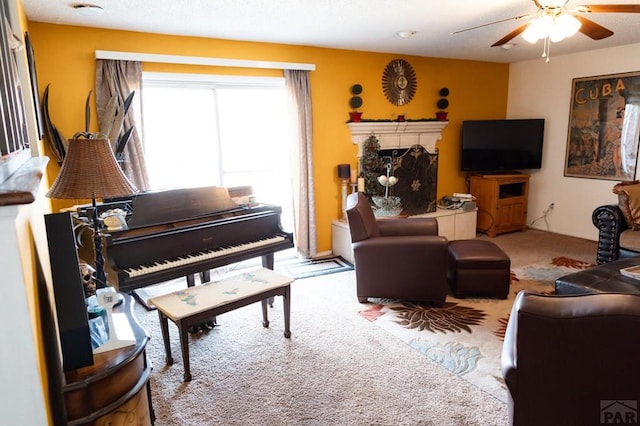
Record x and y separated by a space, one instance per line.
322 254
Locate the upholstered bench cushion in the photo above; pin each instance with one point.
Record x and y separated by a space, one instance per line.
194 300
478 267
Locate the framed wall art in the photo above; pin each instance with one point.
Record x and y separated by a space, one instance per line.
34 85
604 123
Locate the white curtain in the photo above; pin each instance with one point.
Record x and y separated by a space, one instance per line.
121 78
299 91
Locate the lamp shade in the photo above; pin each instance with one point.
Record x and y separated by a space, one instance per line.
344 171
90 170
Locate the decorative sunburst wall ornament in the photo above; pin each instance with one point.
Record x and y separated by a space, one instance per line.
399 82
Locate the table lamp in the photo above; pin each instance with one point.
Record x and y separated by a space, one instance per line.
90 170
344 173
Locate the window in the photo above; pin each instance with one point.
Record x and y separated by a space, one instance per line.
225 131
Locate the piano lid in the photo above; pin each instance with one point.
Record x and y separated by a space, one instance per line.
156 207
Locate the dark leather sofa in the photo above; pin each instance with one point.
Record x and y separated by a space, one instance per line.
396 258
572 360
615 239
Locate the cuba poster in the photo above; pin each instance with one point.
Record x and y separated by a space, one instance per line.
602 141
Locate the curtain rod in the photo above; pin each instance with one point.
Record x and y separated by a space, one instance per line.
198 60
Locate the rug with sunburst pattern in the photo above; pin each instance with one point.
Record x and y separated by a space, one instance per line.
465 335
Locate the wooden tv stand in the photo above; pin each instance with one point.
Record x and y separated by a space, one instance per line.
502 202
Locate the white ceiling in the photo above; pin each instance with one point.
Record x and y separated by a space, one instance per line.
367 25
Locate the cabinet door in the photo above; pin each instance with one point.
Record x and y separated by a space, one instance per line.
447 226
137 408
511 214
341 240
465 225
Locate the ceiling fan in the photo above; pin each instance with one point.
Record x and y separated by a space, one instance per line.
554 21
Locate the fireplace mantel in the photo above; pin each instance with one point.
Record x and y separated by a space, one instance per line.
398 134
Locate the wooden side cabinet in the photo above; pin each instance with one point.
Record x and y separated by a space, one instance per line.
115 390
341 240
502 202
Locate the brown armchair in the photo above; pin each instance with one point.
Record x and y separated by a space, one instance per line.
572 360
396 258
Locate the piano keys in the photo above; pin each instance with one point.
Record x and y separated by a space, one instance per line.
198 257
176 233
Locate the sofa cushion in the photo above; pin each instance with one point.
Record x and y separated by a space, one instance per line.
629 202
630 240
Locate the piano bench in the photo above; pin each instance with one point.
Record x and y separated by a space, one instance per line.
186 308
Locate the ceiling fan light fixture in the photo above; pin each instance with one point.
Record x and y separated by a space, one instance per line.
553 4
545 25
556 34
538 29
530 34
569 24
555 27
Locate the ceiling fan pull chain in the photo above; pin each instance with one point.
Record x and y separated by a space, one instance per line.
546 48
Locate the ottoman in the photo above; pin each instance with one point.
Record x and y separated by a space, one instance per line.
605 278
479 268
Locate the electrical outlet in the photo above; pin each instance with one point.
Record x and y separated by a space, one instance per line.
548 209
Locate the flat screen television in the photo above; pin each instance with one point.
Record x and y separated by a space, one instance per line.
501 145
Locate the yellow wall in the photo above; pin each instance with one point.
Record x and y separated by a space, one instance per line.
65 60
29 240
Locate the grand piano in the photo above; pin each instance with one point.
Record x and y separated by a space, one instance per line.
183 232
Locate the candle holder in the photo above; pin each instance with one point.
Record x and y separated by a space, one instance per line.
387 205
344 173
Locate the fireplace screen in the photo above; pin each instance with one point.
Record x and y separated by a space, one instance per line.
417 173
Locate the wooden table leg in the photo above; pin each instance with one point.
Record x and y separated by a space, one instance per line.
286 299
164 327
265 316
184 345
267 262
191 280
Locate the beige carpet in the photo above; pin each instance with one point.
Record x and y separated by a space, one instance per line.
533 246
336 369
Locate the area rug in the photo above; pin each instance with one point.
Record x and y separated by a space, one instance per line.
296 268
465 335
307 268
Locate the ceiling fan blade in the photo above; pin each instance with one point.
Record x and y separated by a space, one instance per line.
611 8
593 30
515 18
513 34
